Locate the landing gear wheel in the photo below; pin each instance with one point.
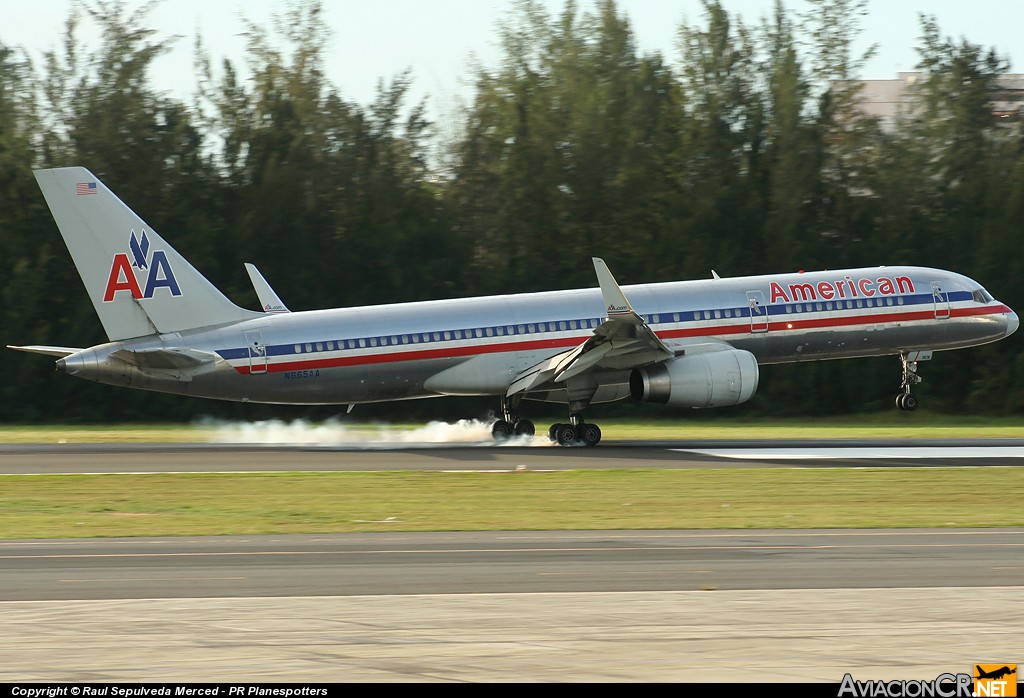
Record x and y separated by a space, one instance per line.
509 423
501 430
906 400
553 432
567 434
590 433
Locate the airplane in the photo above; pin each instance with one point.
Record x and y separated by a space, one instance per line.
696 343
995 674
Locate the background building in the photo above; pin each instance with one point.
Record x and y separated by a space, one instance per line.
894 100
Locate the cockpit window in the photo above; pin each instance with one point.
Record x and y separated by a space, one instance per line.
981 296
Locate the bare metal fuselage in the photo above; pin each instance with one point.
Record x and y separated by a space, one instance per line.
477 346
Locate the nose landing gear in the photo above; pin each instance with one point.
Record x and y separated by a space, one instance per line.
906 400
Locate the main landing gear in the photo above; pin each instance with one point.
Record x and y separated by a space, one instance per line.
509 424
575 432
906 400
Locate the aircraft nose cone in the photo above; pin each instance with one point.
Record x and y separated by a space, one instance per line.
1012 323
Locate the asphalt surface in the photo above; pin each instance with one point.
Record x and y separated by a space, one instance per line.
503 562
717 606
146 458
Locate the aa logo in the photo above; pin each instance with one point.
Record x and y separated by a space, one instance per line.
995 680
154 269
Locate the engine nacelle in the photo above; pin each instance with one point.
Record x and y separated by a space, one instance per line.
711 379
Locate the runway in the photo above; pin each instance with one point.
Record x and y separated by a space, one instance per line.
715 606
163 458
507 562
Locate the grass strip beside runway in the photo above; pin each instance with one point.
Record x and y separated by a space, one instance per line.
58 506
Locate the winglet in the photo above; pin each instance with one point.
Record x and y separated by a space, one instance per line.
614 299
269 300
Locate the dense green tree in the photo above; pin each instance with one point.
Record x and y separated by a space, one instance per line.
723 146
332 200
967 172
746 152
27 258
568 153
792 156
848 137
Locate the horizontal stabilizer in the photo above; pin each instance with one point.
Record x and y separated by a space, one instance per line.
48 351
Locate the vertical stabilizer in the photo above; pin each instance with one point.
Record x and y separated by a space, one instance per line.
138 283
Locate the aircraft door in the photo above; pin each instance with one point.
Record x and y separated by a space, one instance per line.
941 300
257 351
758 311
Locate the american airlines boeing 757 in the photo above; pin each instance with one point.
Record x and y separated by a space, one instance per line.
688 343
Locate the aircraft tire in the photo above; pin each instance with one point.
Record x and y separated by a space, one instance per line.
524 427
501 430
567 434
590 433
553 432
910 402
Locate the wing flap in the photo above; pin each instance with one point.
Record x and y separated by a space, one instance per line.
624 340
541 373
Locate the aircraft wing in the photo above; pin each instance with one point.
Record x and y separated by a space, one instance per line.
624 340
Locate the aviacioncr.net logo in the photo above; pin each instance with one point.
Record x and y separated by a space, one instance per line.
995 680
942 686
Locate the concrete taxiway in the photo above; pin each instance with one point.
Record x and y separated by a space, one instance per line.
717 637
522 606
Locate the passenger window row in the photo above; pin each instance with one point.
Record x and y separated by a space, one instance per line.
448 335
589 323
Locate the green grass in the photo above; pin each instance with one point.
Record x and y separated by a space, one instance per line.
51 506
885 425
214 504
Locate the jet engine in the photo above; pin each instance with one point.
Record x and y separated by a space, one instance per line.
711 379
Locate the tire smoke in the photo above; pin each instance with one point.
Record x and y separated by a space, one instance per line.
467 432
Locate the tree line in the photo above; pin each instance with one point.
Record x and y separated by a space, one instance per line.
743 152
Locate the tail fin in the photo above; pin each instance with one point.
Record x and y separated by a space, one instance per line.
138 283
